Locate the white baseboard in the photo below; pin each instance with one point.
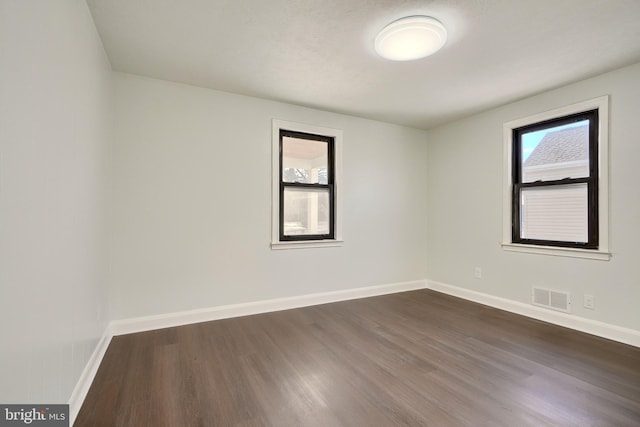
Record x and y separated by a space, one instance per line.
140 324
88 374
594 327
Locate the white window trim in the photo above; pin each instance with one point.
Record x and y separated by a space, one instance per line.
275 188
602 253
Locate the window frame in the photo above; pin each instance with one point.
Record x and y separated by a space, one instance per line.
597 183
329 186
282 128
591 181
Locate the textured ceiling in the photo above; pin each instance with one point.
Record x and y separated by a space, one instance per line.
319 53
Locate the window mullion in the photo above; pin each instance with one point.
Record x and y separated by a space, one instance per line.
569 181
304 185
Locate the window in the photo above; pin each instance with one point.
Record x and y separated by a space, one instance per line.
555 184
305 186
555 167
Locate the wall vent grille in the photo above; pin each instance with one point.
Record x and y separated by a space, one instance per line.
554 300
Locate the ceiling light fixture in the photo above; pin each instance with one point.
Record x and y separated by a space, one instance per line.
409 38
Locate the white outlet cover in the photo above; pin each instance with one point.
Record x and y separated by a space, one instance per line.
589 301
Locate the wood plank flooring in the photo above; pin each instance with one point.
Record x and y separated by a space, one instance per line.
416 358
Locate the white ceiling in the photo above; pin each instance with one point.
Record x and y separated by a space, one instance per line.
319 53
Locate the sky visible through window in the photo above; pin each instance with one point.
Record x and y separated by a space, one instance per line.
531 140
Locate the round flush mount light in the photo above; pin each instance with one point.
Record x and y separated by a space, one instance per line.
409 38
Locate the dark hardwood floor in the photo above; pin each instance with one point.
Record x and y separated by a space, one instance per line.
416 358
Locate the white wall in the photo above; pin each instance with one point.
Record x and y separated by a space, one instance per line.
465 207
192 206
54 107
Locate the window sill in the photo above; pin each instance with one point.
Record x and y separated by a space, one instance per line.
558 251
306 244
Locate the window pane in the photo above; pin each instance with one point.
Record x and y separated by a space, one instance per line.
306 211
557 213
304 160
556 153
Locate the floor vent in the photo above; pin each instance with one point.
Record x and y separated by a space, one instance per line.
555 300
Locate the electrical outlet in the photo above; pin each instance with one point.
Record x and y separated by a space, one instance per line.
589 301
478 273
